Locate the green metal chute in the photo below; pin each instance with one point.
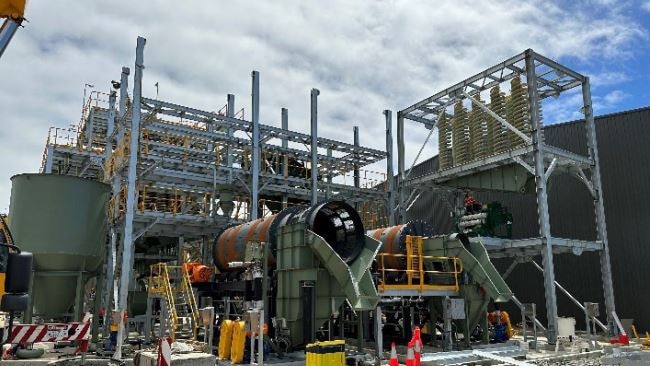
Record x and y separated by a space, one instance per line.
475 261
355 280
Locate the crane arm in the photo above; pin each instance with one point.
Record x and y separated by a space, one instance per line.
13 11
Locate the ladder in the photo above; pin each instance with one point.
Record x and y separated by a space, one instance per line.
413 257
172 284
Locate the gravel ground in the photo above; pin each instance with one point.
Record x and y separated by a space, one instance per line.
582 362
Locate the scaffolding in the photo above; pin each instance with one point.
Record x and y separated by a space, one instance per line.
505 136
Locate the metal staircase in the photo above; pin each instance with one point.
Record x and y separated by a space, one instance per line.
172 285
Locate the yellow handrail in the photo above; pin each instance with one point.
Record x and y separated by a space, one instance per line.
417 277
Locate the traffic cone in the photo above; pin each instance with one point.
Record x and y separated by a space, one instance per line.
417 345
393 355
410 357
417 349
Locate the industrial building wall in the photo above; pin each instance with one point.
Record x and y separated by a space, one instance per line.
624 149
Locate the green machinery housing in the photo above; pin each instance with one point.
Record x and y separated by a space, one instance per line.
320 258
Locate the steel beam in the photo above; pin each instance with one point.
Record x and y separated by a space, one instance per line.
605 263
390 175
314 146
542 200
568 294
128 247
255 156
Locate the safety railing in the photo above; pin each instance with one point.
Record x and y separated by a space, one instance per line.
270 207
417 271
173 201
373 214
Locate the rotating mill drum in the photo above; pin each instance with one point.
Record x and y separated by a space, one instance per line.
336 221
393 240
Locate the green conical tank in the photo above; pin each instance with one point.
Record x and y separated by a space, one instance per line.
62 220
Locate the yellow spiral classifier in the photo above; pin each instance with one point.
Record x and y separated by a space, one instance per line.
477 131
444 142
497 134
517 111
460 135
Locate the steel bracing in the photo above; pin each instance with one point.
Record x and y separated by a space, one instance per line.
526 148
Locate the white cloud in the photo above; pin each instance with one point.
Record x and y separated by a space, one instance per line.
364 56
646 6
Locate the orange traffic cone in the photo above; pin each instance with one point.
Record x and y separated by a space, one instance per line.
393 355
410 357
417 350
417 345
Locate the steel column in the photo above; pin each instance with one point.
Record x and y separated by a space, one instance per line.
314 146
357 178
379 336
285 158
230 112
390 175
110 250
128 247
79 298
542 199
601 226
97 302
400 166
330 177
49 160
255 156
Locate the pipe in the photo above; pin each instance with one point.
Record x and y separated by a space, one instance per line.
336 221
393 240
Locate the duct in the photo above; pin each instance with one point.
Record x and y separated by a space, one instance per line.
335 221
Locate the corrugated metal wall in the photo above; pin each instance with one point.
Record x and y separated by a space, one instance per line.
624 147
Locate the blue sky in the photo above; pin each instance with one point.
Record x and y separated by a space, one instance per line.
364 56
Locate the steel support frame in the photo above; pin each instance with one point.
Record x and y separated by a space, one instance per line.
128 246
549 79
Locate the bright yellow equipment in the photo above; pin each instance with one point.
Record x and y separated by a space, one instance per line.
14 9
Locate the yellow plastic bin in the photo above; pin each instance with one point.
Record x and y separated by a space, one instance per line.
328 353
225 339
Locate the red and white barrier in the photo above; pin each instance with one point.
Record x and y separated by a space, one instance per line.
164 352
49 332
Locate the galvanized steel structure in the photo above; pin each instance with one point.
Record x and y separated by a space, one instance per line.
184 172
537 159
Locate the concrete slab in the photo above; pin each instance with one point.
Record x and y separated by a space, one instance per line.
148 358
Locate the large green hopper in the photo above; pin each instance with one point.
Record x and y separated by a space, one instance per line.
62 220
